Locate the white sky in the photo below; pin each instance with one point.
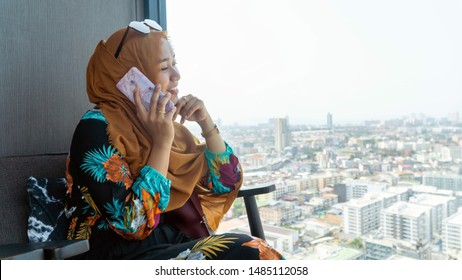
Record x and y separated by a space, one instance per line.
251 60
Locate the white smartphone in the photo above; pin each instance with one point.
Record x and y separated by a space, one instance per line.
134 78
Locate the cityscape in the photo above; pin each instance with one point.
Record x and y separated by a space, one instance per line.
381 190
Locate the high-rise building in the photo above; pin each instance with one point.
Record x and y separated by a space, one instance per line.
406 221
403 192
441 208
357 189
330 123
452 234
340 191
362 215
282 137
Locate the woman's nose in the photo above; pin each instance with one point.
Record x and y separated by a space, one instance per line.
175 75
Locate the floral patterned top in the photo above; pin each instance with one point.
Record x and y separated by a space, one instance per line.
103 195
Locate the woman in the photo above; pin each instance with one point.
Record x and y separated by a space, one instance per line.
140 185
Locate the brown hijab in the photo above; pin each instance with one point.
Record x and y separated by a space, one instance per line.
187 162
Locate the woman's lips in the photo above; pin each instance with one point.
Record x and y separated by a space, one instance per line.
173 91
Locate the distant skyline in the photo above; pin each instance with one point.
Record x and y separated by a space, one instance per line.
252 60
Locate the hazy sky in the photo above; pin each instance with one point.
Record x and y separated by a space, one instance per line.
250 60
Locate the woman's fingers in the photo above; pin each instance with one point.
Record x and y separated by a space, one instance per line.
138 104
179 108
162 103
154 99
193 106
189 106
171 114
179 105
157 123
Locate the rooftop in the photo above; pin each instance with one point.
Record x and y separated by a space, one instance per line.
430 199
407 209
329 252
364 201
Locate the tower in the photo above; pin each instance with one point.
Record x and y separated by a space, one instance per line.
330 124
282 136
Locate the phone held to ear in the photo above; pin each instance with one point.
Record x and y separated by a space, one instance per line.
134 78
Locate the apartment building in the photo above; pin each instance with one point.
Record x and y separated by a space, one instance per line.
388 198
431 190
403 192
441 208
379 249
458 196
443 181
304 183
362 215
280 214
388 248
284 239
452 234
357 189
283 188
406 221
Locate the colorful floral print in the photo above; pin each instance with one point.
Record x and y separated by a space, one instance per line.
117 171
103 196
138 203
224 170
207 248
230 173
106 164
266 251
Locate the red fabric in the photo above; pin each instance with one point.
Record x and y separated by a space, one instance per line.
189 218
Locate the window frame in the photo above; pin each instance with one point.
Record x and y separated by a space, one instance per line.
156 10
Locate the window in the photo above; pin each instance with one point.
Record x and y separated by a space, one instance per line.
342 75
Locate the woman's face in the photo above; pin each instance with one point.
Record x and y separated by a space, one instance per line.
167 74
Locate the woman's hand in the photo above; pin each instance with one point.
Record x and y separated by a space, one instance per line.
191 108
158 124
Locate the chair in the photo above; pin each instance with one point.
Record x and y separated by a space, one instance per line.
14 243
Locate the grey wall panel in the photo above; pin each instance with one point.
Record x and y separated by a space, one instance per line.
44 50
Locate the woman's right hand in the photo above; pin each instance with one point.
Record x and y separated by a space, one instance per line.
158 124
